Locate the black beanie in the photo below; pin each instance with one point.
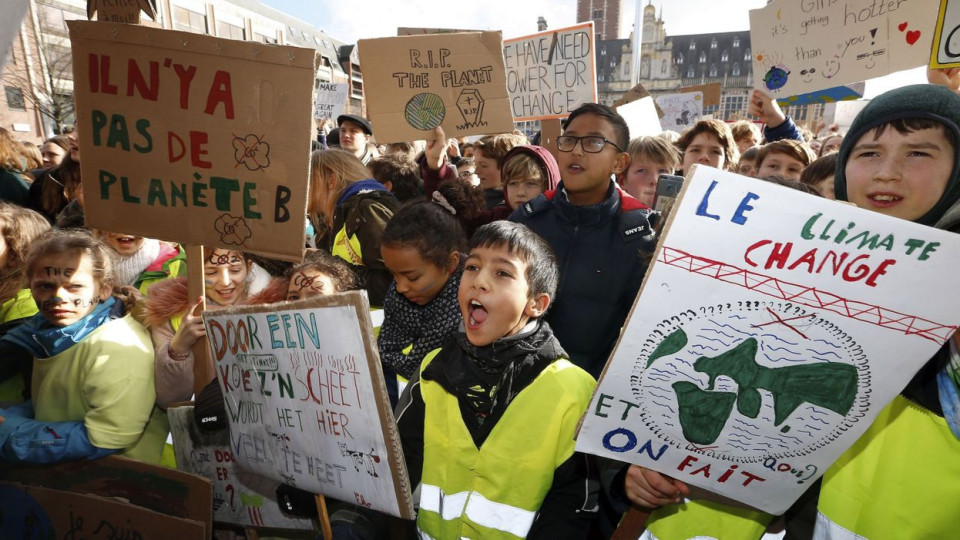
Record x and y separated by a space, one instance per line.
927 101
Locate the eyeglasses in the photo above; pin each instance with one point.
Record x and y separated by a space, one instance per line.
591 143
465 174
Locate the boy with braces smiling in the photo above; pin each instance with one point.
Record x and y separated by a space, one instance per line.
487 422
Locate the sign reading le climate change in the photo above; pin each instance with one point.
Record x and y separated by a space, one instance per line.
306 400
550 74
193 139
770 331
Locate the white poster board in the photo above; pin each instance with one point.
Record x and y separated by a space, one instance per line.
549 74
680 111
641 117
770 331
800 47
946 42
331 100
843 113
240 497
306 400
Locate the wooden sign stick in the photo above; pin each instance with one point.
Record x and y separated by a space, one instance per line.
632 525
203 371
325 526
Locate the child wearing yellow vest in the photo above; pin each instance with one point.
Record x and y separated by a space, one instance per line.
487 422
19 227
92 387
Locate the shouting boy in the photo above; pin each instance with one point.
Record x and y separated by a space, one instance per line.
487 423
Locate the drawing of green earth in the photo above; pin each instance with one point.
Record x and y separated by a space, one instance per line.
751 380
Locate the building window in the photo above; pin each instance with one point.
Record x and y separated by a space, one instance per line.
55 20
703 57
230 31
680 60
15 100
736 42
598 14
693 45
690 72
603 52
746 55
663 66
264 39
713 70
601 78
736 69
713 44
724 56
190 21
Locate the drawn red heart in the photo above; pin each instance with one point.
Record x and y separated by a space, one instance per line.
903 26
913 36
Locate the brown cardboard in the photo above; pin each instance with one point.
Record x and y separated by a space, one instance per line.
633 94
549 131
221 160
162 490
49 513
550 74
121 11
711 92
416 83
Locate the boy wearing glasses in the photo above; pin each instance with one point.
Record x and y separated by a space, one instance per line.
600 234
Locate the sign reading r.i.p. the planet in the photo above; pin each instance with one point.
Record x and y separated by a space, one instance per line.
771 329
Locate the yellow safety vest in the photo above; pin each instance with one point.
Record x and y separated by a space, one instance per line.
496 491
347 247
706 520
900 480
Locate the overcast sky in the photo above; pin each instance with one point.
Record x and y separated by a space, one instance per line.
350 20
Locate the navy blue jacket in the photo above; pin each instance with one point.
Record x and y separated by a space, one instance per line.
603 252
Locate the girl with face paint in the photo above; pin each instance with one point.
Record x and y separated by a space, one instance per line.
422 247
93 387
175 323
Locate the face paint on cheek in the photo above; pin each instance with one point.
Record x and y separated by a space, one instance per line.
302 282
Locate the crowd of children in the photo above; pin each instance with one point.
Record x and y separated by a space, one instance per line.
505 271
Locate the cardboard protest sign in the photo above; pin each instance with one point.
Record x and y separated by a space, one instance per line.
11 14
306 400
194 139
549 74
946 40
771 329
711 92
829 95
35 512
172 492
641 117
633 94
240 497
680 111
331 100
808 45
416 83
121 11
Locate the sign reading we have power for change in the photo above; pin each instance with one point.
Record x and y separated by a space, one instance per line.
306 400
770 331
800 46
193 139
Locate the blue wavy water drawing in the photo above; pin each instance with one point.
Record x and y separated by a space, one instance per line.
720 341
775 360
824 353
805 431
737 446
824 422
735 316
704 347
719 332
779 338
668 407
772 348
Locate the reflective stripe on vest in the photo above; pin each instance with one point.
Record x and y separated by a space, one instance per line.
828 530
899 480
347 248
496 491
